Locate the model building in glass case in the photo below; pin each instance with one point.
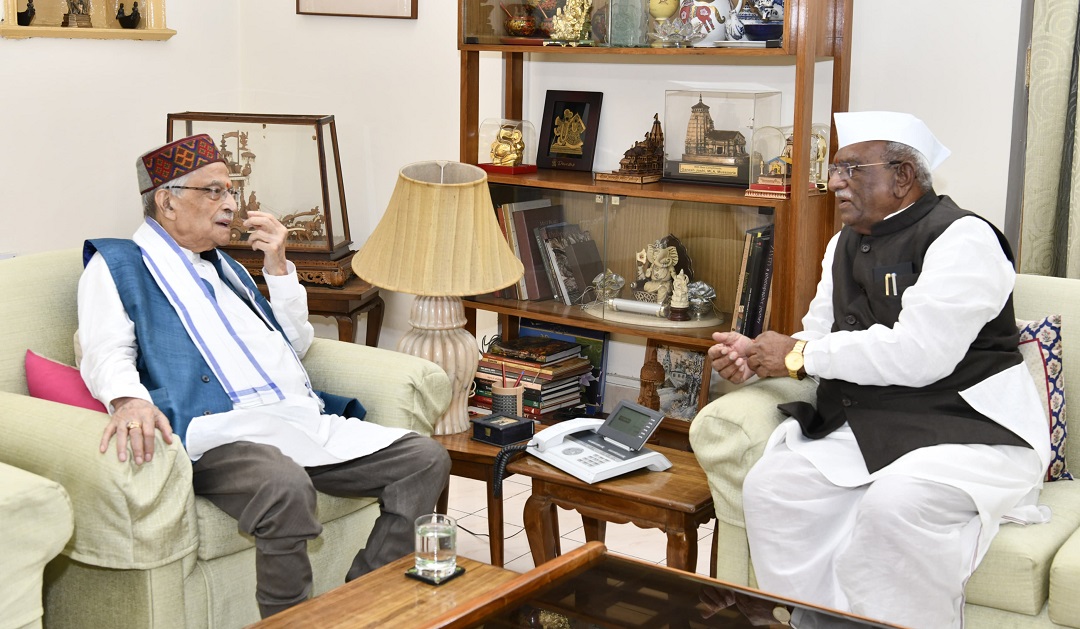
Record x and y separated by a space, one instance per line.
709 133
286 165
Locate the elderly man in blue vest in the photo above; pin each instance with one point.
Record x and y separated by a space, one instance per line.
927 430
176 337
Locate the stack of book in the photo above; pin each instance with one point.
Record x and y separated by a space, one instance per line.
549 369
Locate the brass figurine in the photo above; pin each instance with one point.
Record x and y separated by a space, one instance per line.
508 149
568 25
78 15
568 130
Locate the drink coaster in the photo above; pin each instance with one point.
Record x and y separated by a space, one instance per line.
413 574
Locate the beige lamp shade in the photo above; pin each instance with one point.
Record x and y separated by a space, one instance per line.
439 236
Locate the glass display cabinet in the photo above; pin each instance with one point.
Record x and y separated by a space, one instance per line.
286 165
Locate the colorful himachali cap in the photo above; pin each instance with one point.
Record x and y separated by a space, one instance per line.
174 160
891 126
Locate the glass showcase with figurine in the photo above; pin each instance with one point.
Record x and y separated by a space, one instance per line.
286 165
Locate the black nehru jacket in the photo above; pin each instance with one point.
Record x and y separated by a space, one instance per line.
890 421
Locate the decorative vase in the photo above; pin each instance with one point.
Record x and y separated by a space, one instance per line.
710 19
520 21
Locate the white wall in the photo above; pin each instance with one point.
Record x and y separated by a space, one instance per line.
74 114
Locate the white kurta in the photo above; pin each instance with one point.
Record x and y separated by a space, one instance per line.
965 281
295 425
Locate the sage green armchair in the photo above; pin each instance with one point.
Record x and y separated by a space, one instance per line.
146 552
1030 575
36 520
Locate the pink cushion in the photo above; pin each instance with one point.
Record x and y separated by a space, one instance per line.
57 382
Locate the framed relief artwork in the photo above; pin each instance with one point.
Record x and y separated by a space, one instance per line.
405 9
685 389
568 130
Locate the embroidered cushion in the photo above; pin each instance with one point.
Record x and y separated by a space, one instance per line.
49 380
1040 345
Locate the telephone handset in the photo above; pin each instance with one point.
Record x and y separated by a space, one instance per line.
594 450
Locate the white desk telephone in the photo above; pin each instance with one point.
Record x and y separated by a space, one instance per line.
594 450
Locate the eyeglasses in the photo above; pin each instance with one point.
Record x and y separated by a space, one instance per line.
836 170
214 193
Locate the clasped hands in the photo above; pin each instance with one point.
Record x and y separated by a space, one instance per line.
737 357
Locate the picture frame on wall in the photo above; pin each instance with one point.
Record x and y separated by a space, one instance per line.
568 131
403 9
687 372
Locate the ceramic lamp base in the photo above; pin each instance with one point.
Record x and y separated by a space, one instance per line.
439 335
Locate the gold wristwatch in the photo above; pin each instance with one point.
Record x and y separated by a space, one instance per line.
794 361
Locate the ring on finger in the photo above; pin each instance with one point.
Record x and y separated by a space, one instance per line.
134 425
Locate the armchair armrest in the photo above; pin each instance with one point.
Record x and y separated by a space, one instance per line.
126 516
729 435
396 389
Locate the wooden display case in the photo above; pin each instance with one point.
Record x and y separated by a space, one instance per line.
49 15
802 223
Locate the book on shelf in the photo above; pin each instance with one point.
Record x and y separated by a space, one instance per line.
524 218
543 386
594 347
490 363
557 240
530 412
755 292
583 258
536 396
760 308
513 291
537 349
738 311
483 399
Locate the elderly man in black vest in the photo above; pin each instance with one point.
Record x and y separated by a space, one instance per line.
883 498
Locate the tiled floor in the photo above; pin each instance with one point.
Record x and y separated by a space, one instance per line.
468 504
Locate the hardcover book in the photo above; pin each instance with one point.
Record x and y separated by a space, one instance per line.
557 241
536 349
526 217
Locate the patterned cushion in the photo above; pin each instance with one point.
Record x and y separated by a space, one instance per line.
1040 344
49 380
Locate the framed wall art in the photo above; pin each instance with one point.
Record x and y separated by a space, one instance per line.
687 371
568 130
405 9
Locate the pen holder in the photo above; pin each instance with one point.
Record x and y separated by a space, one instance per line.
506 399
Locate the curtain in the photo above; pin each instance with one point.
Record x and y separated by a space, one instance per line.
1052 171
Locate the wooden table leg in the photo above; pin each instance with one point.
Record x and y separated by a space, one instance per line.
374 312
538 518
595 530
346 328
495 521
682 549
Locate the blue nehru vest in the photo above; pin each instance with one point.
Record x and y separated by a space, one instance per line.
171 368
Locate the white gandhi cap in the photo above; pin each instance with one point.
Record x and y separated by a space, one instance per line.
891 126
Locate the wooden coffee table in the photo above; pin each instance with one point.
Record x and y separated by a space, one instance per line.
387 598
676 501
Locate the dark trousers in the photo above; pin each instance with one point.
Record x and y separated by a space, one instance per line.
273 500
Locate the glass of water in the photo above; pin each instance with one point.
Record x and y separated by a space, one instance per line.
436 546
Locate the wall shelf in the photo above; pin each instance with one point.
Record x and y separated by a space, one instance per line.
49 17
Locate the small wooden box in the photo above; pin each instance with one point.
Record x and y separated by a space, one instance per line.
502 429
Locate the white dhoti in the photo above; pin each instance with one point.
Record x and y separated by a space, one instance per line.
897 545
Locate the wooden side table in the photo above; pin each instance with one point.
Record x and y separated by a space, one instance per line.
676 501
345 305
476 460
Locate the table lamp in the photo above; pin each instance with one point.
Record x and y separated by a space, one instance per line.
439 240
